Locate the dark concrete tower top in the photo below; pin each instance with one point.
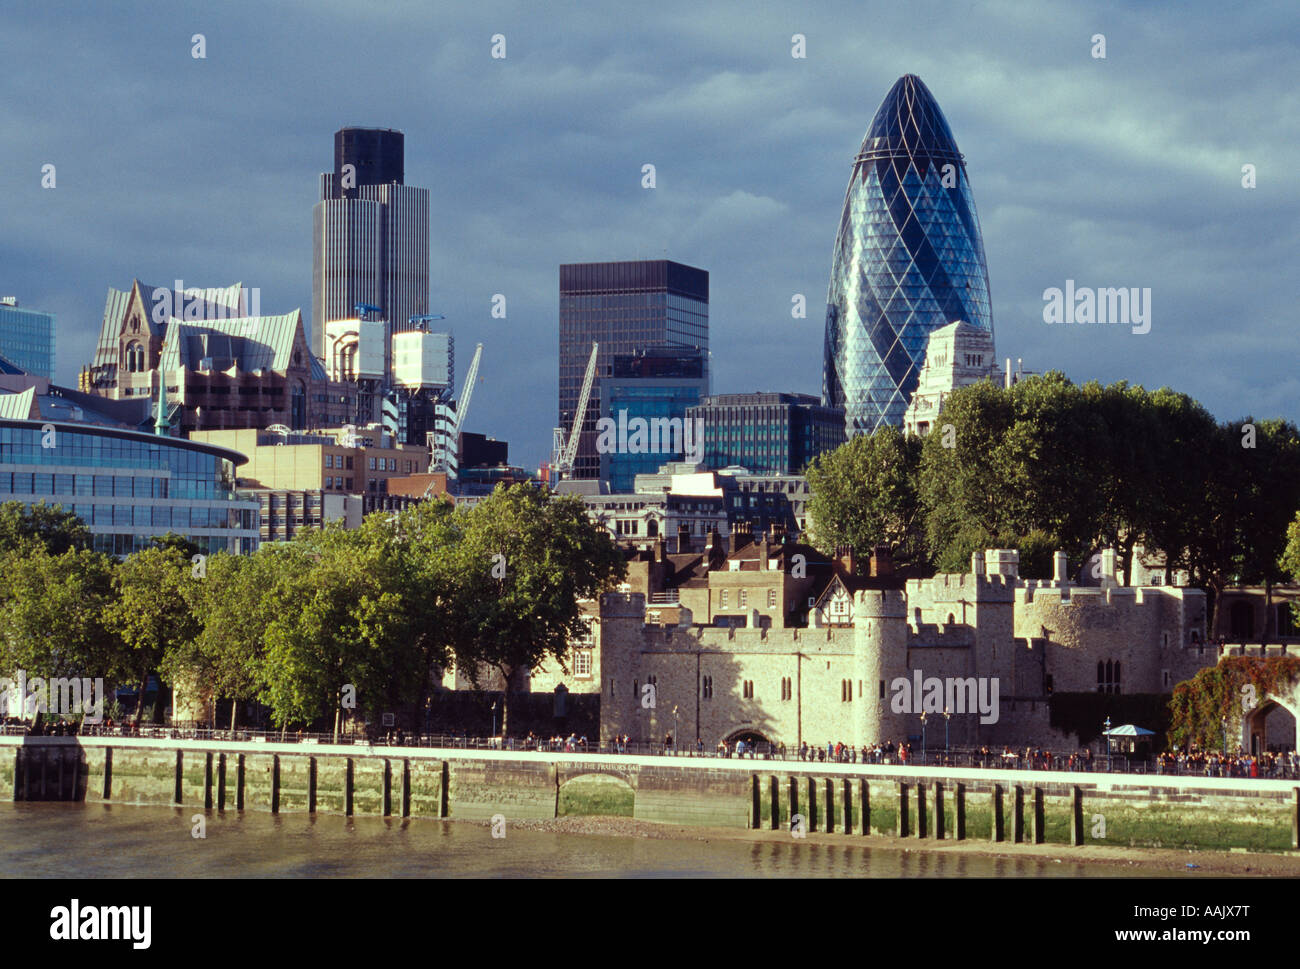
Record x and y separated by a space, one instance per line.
378 154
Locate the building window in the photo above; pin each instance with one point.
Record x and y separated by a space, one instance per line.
724 598
786 691
771 598
1164 677
744 597
372 464
846 691
706 688
882 689
582 664
747 689
1108 676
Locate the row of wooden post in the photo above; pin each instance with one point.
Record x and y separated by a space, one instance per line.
1036 833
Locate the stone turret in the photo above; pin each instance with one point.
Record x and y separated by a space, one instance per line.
879 656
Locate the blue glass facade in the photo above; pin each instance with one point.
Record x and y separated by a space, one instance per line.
128 487
657 385
909 259
27 339
767 433
625 307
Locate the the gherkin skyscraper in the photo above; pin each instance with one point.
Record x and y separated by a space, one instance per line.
908 260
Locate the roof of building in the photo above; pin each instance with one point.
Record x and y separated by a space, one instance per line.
211 302
10 369
19 406
253 343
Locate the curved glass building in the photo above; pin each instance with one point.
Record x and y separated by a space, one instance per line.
908 260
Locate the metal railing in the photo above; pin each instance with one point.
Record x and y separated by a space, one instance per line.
1268 766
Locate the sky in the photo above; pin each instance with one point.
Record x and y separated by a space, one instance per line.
1125 170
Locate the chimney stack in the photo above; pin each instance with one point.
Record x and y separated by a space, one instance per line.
845 563
762 554
977 563
882 563
1059 568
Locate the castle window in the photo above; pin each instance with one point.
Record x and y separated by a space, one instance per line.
882 689
582 664
771 598
787 691
747 689
1164 677
706 690
952 620
611 687
846 691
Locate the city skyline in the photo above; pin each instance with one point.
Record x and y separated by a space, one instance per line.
1122 171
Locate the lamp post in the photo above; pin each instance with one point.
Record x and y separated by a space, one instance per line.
1107 726
494 718
947 715
1223 721
922 737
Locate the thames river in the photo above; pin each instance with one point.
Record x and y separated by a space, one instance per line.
61 840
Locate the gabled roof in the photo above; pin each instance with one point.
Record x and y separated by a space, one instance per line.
213 303
252 343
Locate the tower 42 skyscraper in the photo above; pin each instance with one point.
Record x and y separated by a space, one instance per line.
908 260
370 235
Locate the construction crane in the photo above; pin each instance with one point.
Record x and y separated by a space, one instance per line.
361 309
564 466
462 408
419 321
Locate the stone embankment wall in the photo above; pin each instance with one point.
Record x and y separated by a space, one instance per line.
844 799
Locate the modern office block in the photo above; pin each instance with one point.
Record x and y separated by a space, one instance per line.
767 433
624 307
370 241
27 337
649 394
909 259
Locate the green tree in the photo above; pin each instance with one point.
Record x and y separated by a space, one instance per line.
52 613
233 602
864 494
151 613
526 559
23 527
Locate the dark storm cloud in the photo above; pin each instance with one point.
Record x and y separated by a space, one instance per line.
1117 172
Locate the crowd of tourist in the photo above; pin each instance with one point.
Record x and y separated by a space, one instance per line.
1271 764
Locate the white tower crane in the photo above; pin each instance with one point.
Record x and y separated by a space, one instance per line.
570 453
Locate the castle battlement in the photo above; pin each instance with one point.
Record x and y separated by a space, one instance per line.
959 587
930 635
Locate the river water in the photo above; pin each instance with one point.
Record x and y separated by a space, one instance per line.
62 840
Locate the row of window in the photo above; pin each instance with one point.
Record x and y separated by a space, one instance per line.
175 517
122 545
742 598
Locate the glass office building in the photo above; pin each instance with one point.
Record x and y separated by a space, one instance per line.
651 390
909 259
624 307
128 486
27 338
767 433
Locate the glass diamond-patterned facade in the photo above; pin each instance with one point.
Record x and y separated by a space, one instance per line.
908 260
